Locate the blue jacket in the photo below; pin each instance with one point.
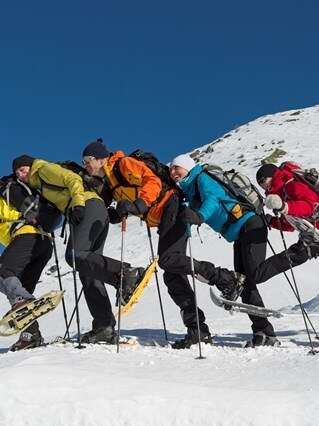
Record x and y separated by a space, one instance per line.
214 201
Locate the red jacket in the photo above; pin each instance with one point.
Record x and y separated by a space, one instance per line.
302 201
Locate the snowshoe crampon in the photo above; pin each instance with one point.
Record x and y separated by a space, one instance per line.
17 320
234 306
140 288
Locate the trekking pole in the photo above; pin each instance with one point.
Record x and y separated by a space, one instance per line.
189 234
157 282
79 346
60 285
312 351
296 295
123 230
72 315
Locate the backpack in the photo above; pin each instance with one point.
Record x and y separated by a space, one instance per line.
159 169
237 185
307 176
25 200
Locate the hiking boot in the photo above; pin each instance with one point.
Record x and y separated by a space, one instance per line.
229 283
262 339
311 246
131 280
100 335
191 338
232 288
30 338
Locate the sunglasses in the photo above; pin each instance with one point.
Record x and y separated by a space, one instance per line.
86 159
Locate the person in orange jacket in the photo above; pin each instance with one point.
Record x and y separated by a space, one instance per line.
139 191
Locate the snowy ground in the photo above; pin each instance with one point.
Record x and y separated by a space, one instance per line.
154 385
146 385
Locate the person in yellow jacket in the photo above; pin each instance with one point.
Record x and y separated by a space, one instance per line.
27 251
139 191
87 214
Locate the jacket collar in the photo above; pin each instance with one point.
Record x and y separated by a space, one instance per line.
188 180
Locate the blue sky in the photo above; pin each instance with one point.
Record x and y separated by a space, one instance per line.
165 76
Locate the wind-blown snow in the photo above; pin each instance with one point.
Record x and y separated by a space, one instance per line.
154 385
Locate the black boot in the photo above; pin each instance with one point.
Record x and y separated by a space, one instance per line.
100 335
231 287
262 339
191 338
230 283
131 280
29 338
311 247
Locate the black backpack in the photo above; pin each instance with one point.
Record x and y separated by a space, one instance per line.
159 169
307 176
23 198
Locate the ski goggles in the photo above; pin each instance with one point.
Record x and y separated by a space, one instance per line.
86 159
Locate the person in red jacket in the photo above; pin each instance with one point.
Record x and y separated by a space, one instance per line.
286 195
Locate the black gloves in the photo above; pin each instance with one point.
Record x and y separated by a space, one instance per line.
268 218
76 215
113 215
125 207
189 216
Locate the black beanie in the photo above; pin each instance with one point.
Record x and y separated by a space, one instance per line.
23 160
265 171
96 149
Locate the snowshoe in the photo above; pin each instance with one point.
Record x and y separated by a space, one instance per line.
100 335
131 298
21 317
262 339
234 306
191 338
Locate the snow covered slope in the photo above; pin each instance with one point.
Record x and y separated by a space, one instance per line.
279 137
153 385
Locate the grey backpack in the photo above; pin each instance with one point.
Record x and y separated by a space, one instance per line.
237 185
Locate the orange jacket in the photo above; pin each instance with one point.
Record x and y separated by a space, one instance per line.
144 184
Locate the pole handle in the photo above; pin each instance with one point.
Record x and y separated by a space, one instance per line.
124 224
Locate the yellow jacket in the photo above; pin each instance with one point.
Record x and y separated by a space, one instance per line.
7 217
60 186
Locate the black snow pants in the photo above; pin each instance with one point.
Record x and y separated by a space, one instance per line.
172 246
249 254
25 258
94 268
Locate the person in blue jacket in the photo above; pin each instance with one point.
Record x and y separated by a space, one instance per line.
210 203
